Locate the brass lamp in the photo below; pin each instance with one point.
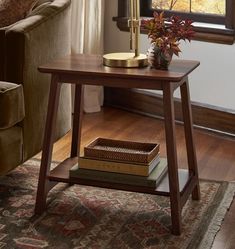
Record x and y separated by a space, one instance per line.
132 59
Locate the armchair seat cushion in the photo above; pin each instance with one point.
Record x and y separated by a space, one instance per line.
11 104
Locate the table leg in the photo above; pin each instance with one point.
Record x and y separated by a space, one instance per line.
188 128
77 120
44 185
169 118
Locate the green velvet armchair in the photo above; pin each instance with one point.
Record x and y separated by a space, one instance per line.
24 91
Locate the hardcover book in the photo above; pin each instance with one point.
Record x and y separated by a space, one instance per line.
118 167
146 181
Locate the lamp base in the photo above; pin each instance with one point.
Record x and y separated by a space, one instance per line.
127 60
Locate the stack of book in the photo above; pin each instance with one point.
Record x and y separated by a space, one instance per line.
102 161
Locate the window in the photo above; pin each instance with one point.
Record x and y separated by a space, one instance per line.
210 11
216 7
214 19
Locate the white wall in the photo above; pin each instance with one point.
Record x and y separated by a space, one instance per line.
212 83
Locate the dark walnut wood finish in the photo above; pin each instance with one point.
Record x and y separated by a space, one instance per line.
88 69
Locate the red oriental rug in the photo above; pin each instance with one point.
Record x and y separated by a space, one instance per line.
95 218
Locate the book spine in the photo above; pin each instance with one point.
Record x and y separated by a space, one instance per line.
151 181
113 177
124 168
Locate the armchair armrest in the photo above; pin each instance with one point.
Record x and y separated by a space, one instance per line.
30 43
11 104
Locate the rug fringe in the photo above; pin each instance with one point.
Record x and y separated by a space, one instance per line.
218 218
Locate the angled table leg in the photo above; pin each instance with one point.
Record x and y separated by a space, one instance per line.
77 120
169 118
188 128
44 185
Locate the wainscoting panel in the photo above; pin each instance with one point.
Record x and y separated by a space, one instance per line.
148 103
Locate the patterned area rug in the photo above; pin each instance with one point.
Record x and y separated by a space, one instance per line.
95 218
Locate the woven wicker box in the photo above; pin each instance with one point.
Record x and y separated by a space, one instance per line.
118 150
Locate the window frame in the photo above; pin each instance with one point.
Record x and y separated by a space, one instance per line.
209 33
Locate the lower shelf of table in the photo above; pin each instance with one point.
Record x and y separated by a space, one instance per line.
187 181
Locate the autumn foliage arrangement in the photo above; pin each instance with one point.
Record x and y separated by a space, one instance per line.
165 34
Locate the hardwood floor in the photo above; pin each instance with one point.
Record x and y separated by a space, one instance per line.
215 154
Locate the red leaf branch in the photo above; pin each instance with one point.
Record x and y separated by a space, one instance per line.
167 32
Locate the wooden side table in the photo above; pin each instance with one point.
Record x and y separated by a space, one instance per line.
88 69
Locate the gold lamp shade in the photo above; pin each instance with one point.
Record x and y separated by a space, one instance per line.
131 59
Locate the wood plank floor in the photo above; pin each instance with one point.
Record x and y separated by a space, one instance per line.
215 154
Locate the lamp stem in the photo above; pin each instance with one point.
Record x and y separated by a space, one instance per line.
137 26
131 24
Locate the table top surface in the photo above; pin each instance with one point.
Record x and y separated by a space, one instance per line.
84 64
